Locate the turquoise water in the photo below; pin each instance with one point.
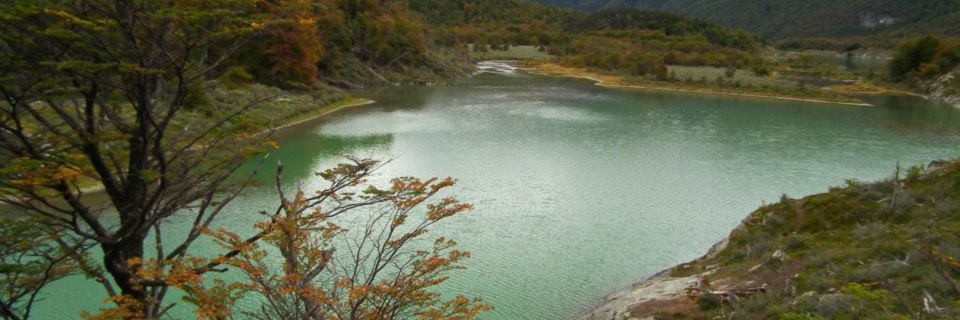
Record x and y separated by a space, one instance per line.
581 190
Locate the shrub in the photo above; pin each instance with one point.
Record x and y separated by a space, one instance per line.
756 306
915 172
832 305
708 301
884 186
730 72
945 206
236 77
784 198
761 70
929 70
773 220
798 316
796 242
870 231
853 183
881 270
196 96
924 58
807 281
879 297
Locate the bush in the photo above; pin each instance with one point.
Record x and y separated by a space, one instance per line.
730 72
832 305
761 70
929 70
870 231
709 301
754 307
814 282
196 96
797 316
915 172
796 242
923 58
879 271
236 77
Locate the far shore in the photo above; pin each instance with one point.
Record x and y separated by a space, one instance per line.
322 112
612 81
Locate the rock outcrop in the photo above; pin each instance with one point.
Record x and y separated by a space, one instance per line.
658 293
946 88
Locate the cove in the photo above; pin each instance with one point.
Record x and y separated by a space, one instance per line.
581 190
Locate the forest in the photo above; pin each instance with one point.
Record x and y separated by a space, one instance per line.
355 43
624 41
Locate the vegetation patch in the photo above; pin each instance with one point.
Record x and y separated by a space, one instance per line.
881 250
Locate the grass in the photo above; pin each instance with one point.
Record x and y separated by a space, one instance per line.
745 77
767 87
276 107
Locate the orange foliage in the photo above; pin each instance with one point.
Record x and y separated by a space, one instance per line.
294 45
375 275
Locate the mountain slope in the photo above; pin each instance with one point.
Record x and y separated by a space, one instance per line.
781 19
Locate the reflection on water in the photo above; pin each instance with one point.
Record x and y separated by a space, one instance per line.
581 190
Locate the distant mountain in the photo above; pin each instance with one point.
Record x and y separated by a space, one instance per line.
791 19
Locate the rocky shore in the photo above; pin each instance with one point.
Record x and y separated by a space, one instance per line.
945 88
657 294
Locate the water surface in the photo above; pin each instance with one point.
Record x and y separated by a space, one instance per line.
581 190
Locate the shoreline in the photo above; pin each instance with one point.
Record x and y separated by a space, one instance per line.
660 290
322 112
341 105
583 74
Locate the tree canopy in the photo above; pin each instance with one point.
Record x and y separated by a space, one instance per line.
111 95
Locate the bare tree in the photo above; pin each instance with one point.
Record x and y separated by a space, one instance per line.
97 94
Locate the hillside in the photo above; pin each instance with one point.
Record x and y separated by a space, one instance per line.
782 20
347 43
630 42
881 250
357 43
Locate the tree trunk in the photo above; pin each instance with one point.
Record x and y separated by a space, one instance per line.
116 260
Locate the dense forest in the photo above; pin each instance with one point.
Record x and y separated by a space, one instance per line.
355 43
792 20
631 41
348 43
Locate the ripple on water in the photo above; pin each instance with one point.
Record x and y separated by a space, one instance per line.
395 122
557 113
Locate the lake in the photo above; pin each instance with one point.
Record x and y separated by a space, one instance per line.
581 190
